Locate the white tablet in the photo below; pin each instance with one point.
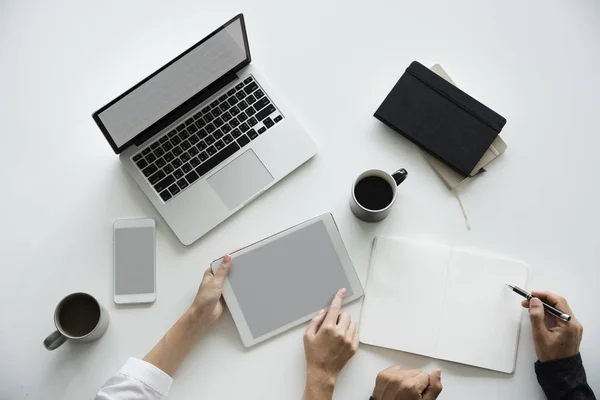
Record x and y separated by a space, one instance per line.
285 279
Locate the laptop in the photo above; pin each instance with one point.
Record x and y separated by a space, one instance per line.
204 135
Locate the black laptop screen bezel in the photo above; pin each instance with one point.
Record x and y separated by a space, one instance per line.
186 105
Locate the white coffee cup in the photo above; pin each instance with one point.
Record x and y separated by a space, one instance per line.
375 203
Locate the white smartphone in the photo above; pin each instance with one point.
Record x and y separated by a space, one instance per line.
134 260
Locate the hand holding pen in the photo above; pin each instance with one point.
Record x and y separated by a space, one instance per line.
559 339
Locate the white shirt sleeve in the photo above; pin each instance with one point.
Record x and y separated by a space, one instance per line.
137 380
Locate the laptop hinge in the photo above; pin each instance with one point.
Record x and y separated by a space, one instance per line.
184 108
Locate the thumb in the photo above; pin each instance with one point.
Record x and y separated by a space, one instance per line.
435 385
224 268
536 314
315 323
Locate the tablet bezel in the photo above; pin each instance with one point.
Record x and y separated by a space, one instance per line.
234 307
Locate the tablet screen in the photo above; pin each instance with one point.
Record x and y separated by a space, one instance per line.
286 279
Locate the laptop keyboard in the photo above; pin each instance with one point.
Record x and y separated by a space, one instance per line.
182 156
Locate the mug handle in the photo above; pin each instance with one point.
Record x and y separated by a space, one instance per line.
54 340
399 176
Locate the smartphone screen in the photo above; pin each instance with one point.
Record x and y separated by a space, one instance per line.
134 257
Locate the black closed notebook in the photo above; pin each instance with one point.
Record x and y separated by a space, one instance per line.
440 118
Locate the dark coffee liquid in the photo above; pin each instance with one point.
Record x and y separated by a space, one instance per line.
373 193
79 315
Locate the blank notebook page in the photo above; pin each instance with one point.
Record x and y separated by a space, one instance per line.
443 302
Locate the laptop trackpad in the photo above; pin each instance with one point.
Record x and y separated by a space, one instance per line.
240 180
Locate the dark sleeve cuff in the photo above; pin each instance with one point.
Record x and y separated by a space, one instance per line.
563 379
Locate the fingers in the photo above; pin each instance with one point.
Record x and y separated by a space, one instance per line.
344 321
554 300
334 309
536 314
435 385
352 335
224 268
421 381
315 323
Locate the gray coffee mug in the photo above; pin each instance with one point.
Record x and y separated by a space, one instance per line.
366 214
78 317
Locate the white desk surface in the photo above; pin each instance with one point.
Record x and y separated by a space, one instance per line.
535 62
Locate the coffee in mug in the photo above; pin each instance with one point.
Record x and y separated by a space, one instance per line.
374 192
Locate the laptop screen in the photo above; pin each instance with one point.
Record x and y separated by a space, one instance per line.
165 90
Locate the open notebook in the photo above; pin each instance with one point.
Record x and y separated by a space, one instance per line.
443 302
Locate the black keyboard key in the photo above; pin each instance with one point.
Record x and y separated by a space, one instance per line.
216 112
251 88
234 122
165 195
234 111
149 170
194 139
150 158
175 140
244 127
183 135
243 140
262 130
278 118
248 80
186 168
239 86
185 157
214 104
208 117
251 99
218 122
218 134
169 157
232 100
265 112
193 151
180 127
178 173
236 133
192 128
201 146
137 157
201 123
220 157
192 177
168 169
227 139
206 110
226 116
154 145
210 128
242 116
240 95
194 162
224 106
167 146
261 103
165 183
185 145
141 164
252 121
177 151
210 139
230 92
160 162
252 134
156 177
242 105
211 150
203 156
250 111
172 133
174 189
163 139
202 134
223 97
225 128
258 94
159 152
189 121
268 122
219 144
198 115
182 183
176 163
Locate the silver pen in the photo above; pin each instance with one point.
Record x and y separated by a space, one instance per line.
554 311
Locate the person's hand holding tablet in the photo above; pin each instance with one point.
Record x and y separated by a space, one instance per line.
330 342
